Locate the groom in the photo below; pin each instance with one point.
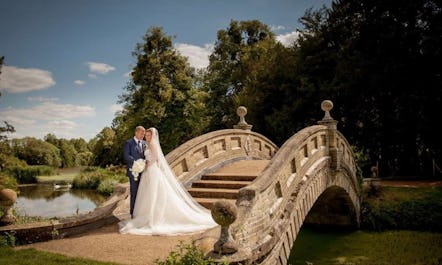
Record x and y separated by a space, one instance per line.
134 150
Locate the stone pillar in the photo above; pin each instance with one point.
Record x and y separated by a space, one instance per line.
7 200
331 124
224 213
242 124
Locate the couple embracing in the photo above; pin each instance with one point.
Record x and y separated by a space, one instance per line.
159 203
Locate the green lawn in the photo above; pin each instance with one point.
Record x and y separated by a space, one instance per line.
65 175
367 248
33 257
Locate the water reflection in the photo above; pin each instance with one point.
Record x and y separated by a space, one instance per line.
44 200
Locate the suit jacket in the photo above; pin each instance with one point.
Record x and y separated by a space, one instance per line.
131 153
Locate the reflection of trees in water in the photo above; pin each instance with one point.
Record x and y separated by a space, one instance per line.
48 193
88 194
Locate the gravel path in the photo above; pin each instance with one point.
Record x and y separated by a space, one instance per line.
107 244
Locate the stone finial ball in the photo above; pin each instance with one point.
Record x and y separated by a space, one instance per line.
7 197
224 212
241 111
327 105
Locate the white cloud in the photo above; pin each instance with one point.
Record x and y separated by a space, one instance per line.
128 74
49 110
41 99
198 56
46 117
276 27
100 68
19 80
92 76
288 39
79 82
116 108
62 124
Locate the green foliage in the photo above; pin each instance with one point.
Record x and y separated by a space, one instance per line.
28 174
163 94
7 240
36 152
240 53
103 151
8 182
106 186
403 208
187 254
73 152
8 161
103 180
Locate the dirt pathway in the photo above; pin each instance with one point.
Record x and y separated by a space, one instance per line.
107 244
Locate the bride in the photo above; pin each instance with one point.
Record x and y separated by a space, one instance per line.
163 205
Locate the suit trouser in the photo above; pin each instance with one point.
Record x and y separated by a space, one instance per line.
133 192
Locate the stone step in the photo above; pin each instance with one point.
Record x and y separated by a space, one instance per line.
220 184
214 193
229 176
208 202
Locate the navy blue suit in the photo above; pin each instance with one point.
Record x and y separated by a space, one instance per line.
131 153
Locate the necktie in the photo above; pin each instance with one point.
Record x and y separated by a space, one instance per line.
140 147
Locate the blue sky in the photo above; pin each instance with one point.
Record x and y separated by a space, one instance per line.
66 62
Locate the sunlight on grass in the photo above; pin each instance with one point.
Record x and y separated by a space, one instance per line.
65 175
32 256
366 248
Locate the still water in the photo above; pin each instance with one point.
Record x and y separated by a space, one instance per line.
45 200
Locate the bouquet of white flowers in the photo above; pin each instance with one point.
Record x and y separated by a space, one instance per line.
137 167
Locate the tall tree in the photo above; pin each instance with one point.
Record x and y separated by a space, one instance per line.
237 54
161 94
375 60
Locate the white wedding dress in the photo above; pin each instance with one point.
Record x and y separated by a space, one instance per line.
163 205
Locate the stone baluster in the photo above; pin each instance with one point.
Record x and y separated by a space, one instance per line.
242 124
328 121
7 200
224 213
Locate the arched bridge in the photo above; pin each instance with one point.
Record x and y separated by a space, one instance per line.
259 194
269 193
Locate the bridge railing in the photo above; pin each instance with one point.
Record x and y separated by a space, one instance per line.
215 149
261 206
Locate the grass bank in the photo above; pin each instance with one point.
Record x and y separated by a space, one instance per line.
402 208
366 248
32 257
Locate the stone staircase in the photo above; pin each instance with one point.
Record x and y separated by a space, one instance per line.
226 181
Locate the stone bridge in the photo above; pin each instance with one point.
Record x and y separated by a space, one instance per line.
262 195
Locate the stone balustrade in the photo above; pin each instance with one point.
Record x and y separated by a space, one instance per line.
215 149
272 209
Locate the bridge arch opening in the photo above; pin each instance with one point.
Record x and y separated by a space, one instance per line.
333 208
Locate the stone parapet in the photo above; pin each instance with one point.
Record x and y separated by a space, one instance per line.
215 149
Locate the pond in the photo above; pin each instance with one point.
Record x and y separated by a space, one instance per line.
47 200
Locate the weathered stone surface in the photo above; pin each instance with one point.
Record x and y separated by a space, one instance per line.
224 212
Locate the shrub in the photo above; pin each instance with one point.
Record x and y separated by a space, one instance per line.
7 239
8 161
403 208
98 178
106 186
28 174
8 182
188 254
